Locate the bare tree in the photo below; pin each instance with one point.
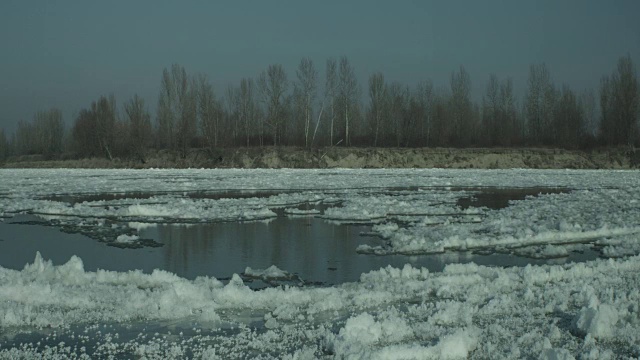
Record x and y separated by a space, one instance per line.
508 115
188 120
627 99
104 112
273 86
4 145
84 135
425 98
166 111
244 111
247 106
44 135
208 111
56 127
378 97
24 139
231 120
349 95
499 112
177 114
620 104
607 124
589 111
331 92
461 107
305 89
568 119
139 126
94 129
540 104
491 111
415 114
441 114
398 102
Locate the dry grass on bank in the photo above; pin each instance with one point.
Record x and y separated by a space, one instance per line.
339 157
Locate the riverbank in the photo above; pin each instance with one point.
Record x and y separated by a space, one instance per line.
340 157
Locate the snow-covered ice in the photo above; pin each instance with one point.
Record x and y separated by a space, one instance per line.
587 310
467 310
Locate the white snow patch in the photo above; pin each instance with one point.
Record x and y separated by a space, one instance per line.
148 211
597 320
301 212
141 225
459 344
127 239
272 272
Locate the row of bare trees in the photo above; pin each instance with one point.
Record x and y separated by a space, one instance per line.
44 135
100 131
620 105
275 110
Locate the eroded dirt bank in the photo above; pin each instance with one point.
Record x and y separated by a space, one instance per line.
339 157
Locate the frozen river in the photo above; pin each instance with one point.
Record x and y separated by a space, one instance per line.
319 263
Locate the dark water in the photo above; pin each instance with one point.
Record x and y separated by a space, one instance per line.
316 251
499 198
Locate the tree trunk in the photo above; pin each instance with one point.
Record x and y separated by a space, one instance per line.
346 120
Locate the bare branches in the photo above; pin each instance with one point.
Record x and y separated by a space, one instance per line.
4 145
139 126
189 114
349 95
378 98
539 105
331 91
177 114
273 86
306 92
620 105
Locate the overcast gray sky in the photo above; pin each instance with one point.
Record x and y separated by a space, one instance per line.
68 53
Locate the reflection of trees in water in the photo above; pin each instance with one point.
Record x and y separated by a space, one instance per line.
310 247
306 246
181 244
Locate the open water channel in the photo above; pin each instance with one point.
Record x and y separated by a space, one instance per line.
311 250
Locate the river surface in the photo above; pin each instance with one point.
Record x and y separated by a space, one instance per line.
314 251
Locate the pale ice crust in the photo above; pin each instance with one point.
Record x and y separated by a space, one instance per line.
588 310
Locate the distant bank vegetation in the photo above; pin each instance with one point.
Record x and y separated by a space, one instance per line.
274 110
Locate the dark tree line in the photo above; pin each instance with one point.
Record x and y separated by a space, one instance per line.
275 109
619 104
43 135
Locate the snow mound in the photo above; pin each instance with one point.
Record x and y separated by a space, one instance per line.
272 272
460 344
127 239
365 337
597 320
